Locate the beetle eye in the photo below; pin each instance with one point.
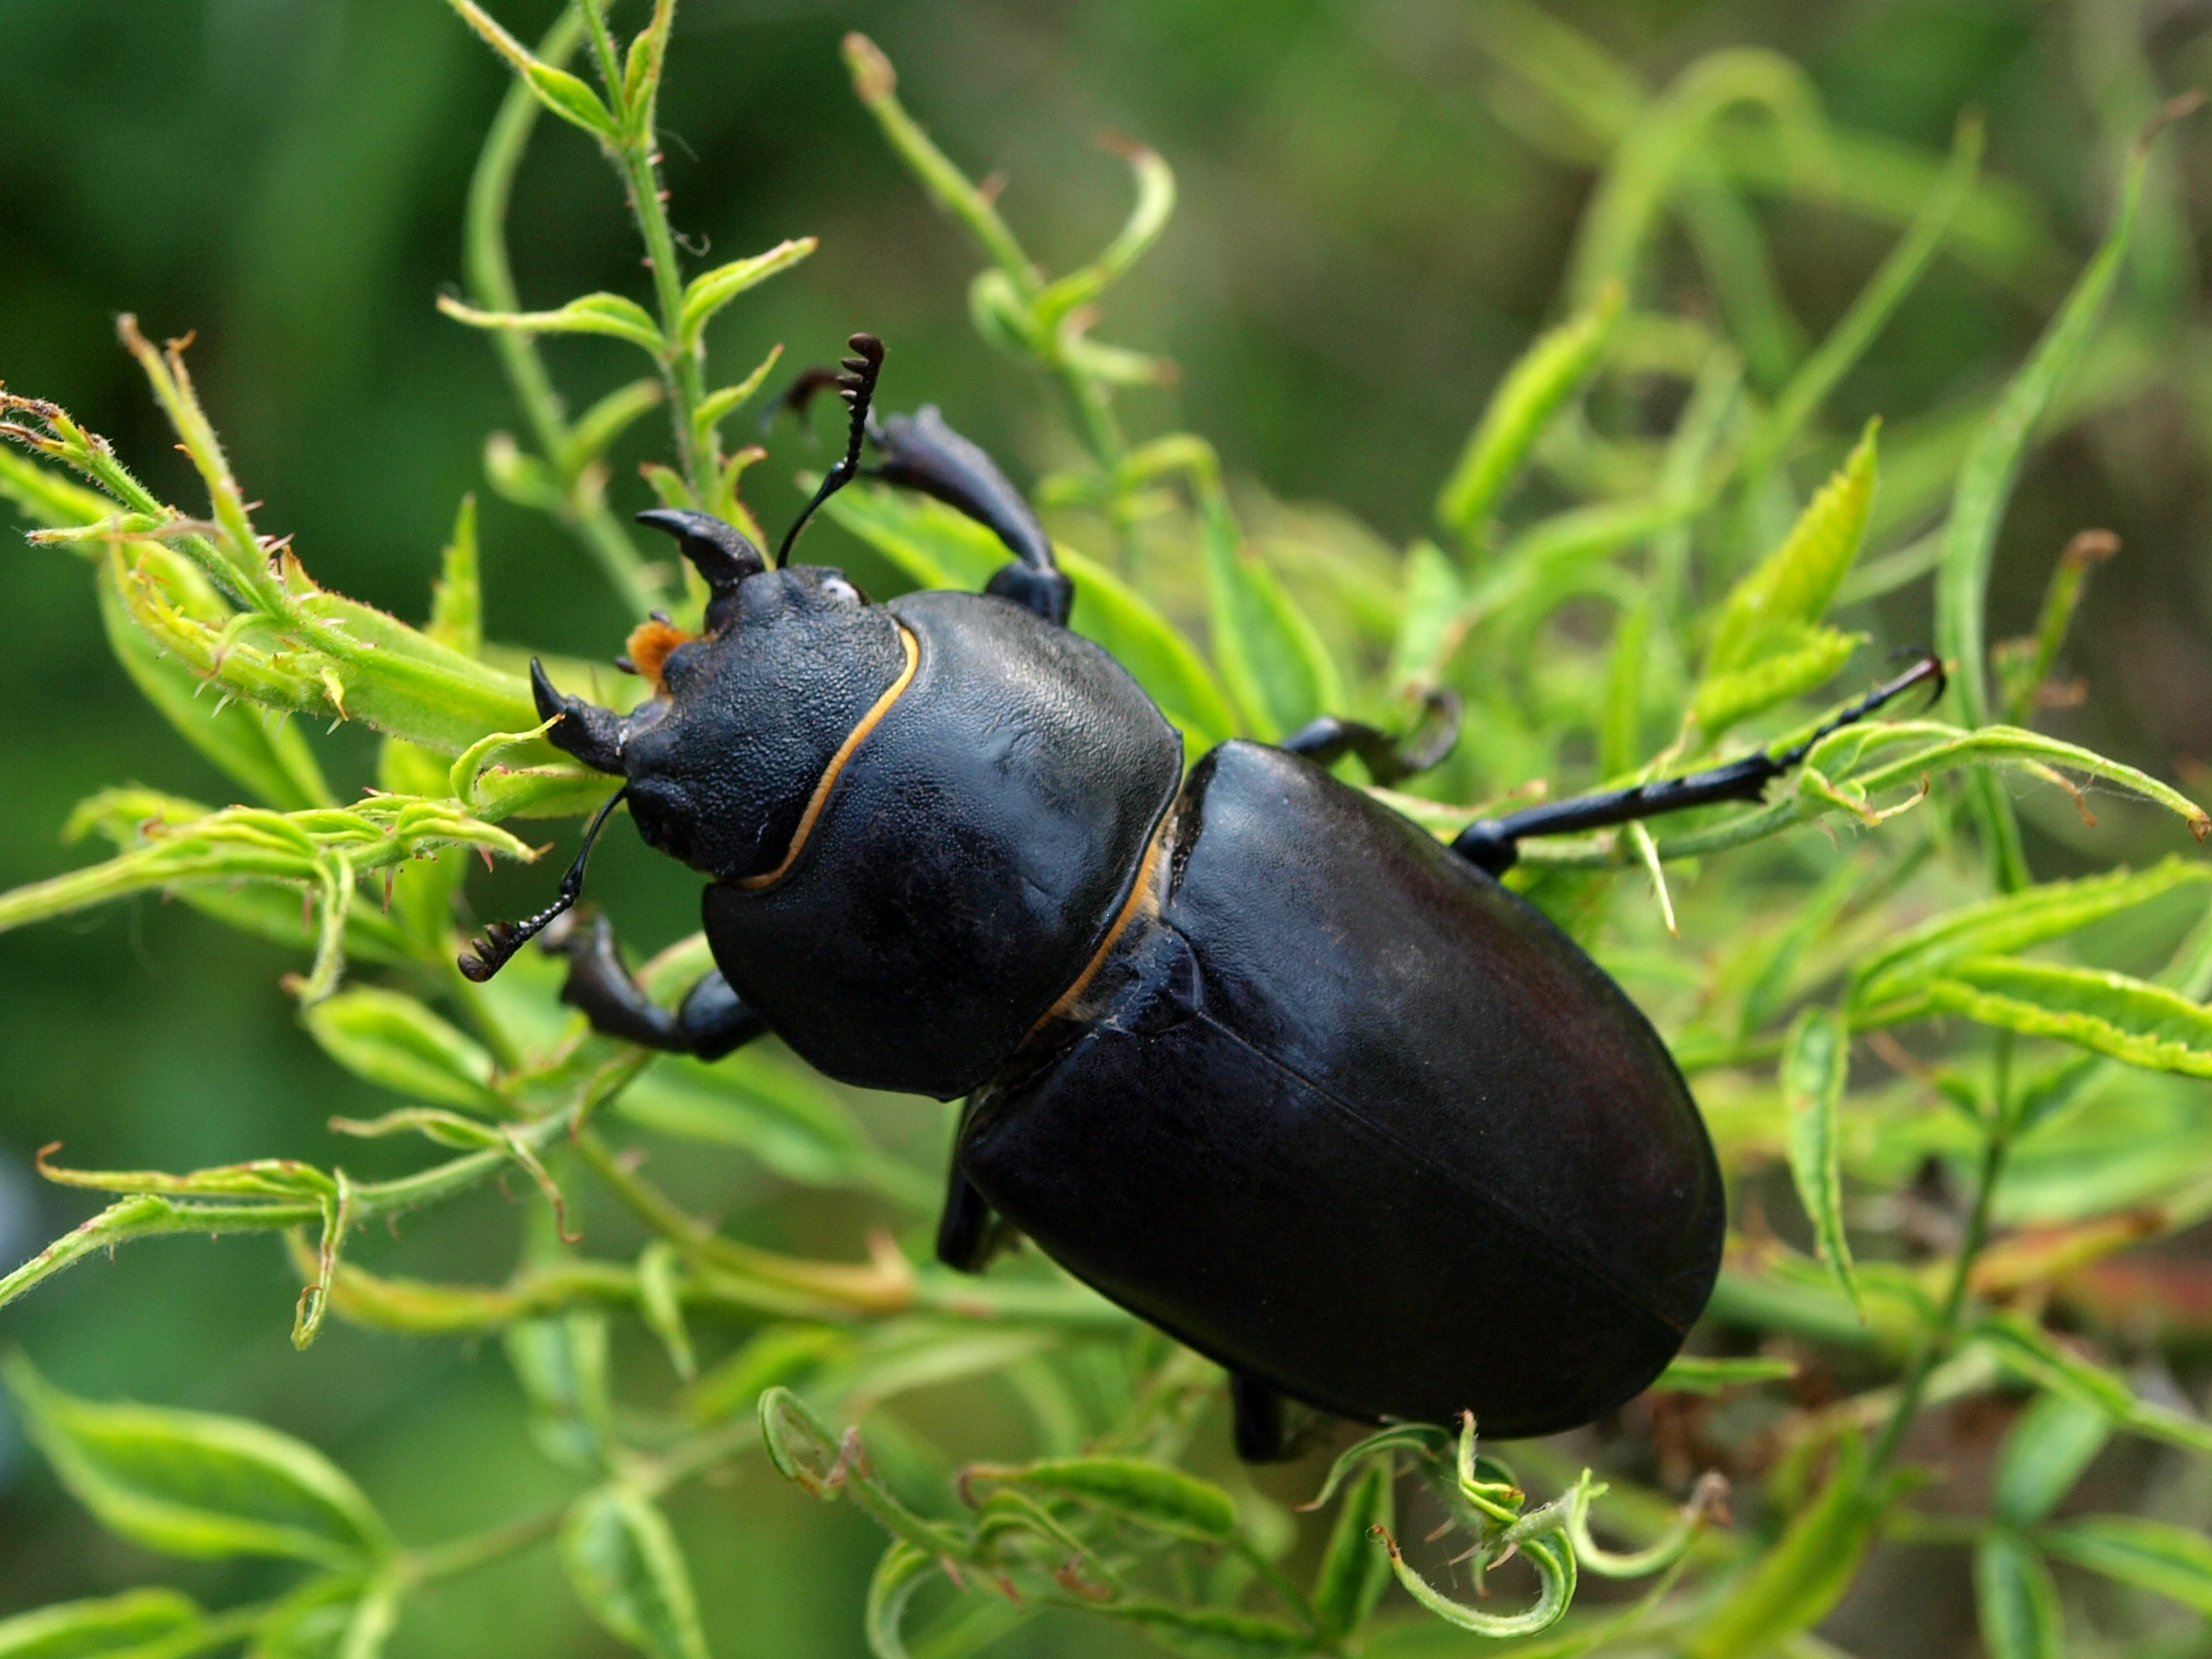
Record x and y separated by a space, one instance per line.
841 588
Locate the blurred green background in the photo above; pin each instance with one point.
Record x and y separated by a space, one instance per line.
1375 219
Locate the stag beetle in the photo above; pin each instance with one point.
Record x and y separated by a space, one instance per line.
1243 1048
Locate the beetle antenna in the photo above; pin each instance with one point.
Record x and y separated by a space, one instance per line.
501 940
857 387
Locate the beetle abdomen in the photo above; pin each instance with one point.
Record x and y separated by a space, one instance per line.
1364 1126
966 859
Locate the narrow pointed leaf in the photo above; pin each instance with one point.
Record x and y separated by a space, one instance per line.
2016 1600
2130 1019
1355 1568
2011 923
1164 1499
187 1483
1548 374
594 313
624 1564
902 1571
394 1040
2056 1438
114 1624
1815 1065
2174 1562
709 291
1278 670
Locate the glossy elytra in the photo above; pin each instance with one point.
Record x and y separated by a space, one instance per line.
1248 1051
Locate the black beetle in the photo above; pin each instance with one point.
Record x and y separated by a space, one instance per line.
1244 1049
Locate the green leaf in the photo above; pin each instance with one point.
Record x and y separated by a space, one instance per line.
1548 374
594 313
902 1571
776 1111
567 97
114 1624
2016 1600
260 750
1816 1061
187 1483
1553 1558
2130 1019
1688 1373
561 1364
456 597
710 291
772 1355
1164 1499
2056 1438
2030 1350
2172 1561
1796 1583
1278 670
1984 491
1430 602
661 1306
1799 660
1113 614
1355 1568
1797 581
2009 923
1808 388
1770 620
623 1562
393 1041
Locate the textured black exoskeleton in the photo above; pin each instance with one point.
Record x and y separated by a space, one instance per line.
1245 1050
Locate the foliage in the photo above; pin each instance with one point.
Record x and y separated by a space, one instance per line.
1910 1002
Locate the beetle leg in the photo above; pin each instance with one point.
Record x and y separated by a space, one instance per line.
1491 844
1261 1434
710 1022
968 1231
1388 760
921 452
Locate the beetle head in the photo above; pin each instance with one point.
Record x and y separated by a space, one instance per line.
746 716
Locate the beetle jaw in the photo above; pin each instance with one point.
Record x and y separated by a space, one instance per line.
594 735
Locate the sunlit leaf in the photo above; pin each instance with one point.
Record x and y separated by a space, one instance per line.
2172 1561
625 1565
710 291
1164 1499
2009 923
395 1042
114 1624
2055 1439
1355 1568
1549 372
2017 1602
2130 1019
594 314
1816 1064
1273 661
187 1483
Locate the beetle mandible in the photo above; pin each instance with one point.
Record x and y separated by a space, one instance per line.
1247 1051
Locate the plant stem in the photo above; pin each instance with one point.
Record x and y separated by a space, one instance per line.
681 369
491 283
476 1549
1941 1336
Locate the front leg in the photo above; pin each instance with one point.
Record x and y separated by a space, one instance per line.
710 1022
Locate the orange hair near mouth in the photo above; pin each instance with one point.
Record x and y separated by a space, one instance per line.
648 646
